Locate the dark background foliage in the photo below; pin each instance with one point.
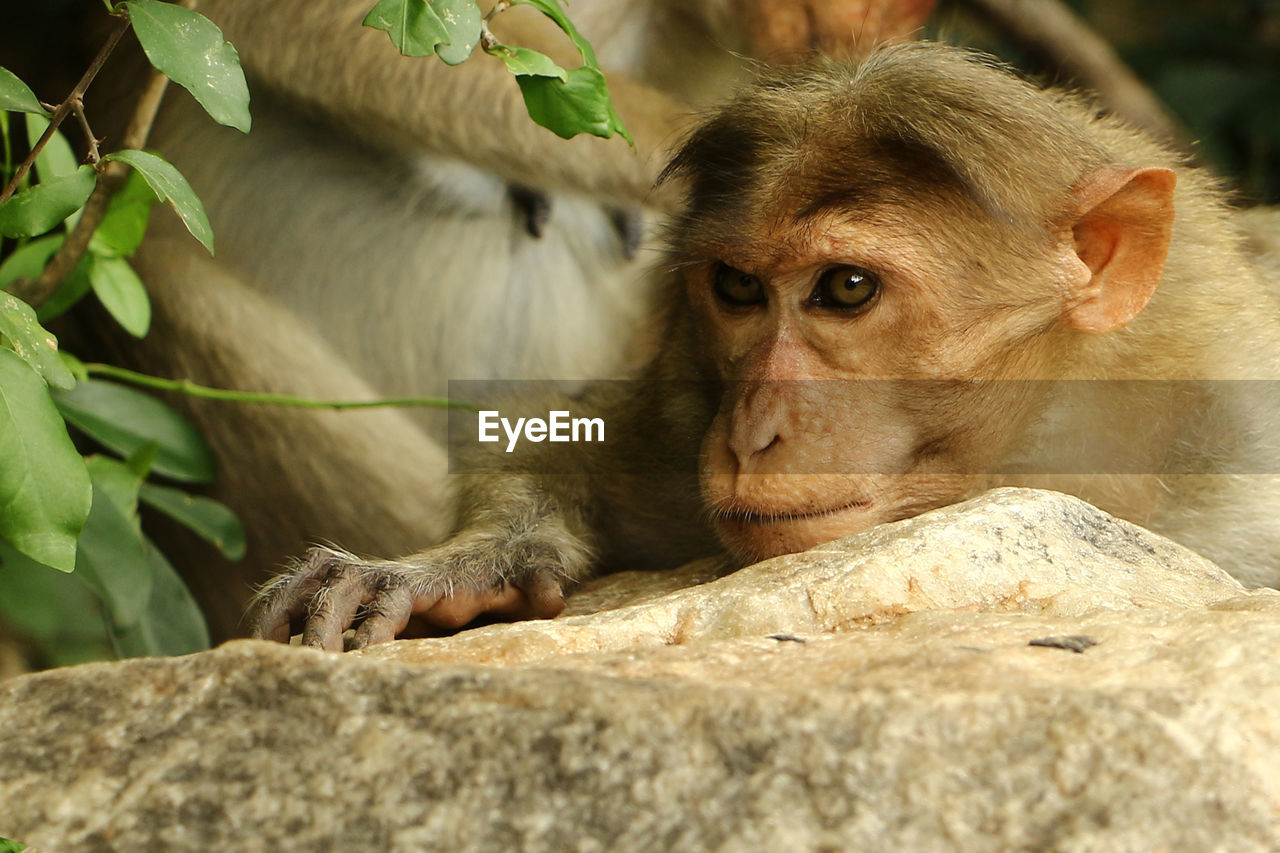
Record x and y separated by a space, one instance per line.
1214 63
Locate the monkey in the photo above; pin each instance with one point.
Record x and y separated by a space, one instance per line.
392 223
893 284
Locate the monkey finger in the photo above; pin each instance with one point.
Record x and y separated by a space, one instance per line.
387 615
543 595
462 605
277 608
334 609
275 628
284 600
268 618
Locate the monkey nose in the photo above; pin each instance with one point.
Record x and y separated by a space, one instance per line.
755 426
751 439
749 448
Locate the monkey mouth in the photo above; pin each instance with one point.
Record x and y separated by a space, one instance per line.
753 535
741 515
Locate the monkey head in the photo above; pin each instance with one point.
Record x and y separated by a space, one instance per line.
878 260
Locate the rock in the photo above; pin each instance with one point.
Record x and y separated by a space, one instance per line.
882 692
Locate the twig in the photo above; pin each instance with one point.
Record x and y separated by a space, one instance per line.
1049 28
93 156
67 107
191 389
488 41
498 8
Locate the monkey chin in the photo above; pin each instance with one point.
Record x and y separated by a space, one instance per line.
755 536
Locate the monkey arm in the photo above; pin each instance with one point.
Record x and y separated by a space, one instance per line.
529 526
352 75
523 534
513 558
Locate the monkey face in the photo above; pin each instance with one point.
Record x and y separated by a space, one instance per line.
864 381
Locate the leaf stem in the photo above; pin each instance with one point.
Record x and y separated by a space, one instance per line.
191 389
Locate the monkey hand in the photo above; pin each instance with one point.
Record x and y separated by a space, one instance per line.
330 590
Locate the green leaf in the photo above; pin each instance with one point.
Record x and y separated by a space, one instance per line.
172 623
414 27
29 259
56 159
118 481
71 291
125 222
524 62
37 209
189 49
17 96
552 10
142 461
462 24
32 343
44 487
212 521
74 365
169 186
579 104
152 611
54 610
122 293
111 559
124 420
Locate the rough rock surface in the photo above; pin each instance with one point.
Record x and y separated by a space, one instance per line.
1018 672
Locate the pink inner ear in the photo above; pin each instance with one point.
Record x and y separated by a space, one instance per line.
1122 235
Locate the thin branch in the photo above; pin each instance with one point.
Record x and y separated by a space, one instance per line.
191 389
67 107
488 41
498 8
93 156
1049 28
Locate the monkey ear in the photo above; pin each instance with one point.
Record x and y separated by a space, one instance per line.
1123 222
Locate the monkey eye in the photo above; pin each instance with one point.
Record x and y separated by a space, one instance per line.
735 287
845 288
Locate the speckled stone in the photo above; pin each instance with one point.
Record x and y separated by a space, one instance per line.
1018 672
